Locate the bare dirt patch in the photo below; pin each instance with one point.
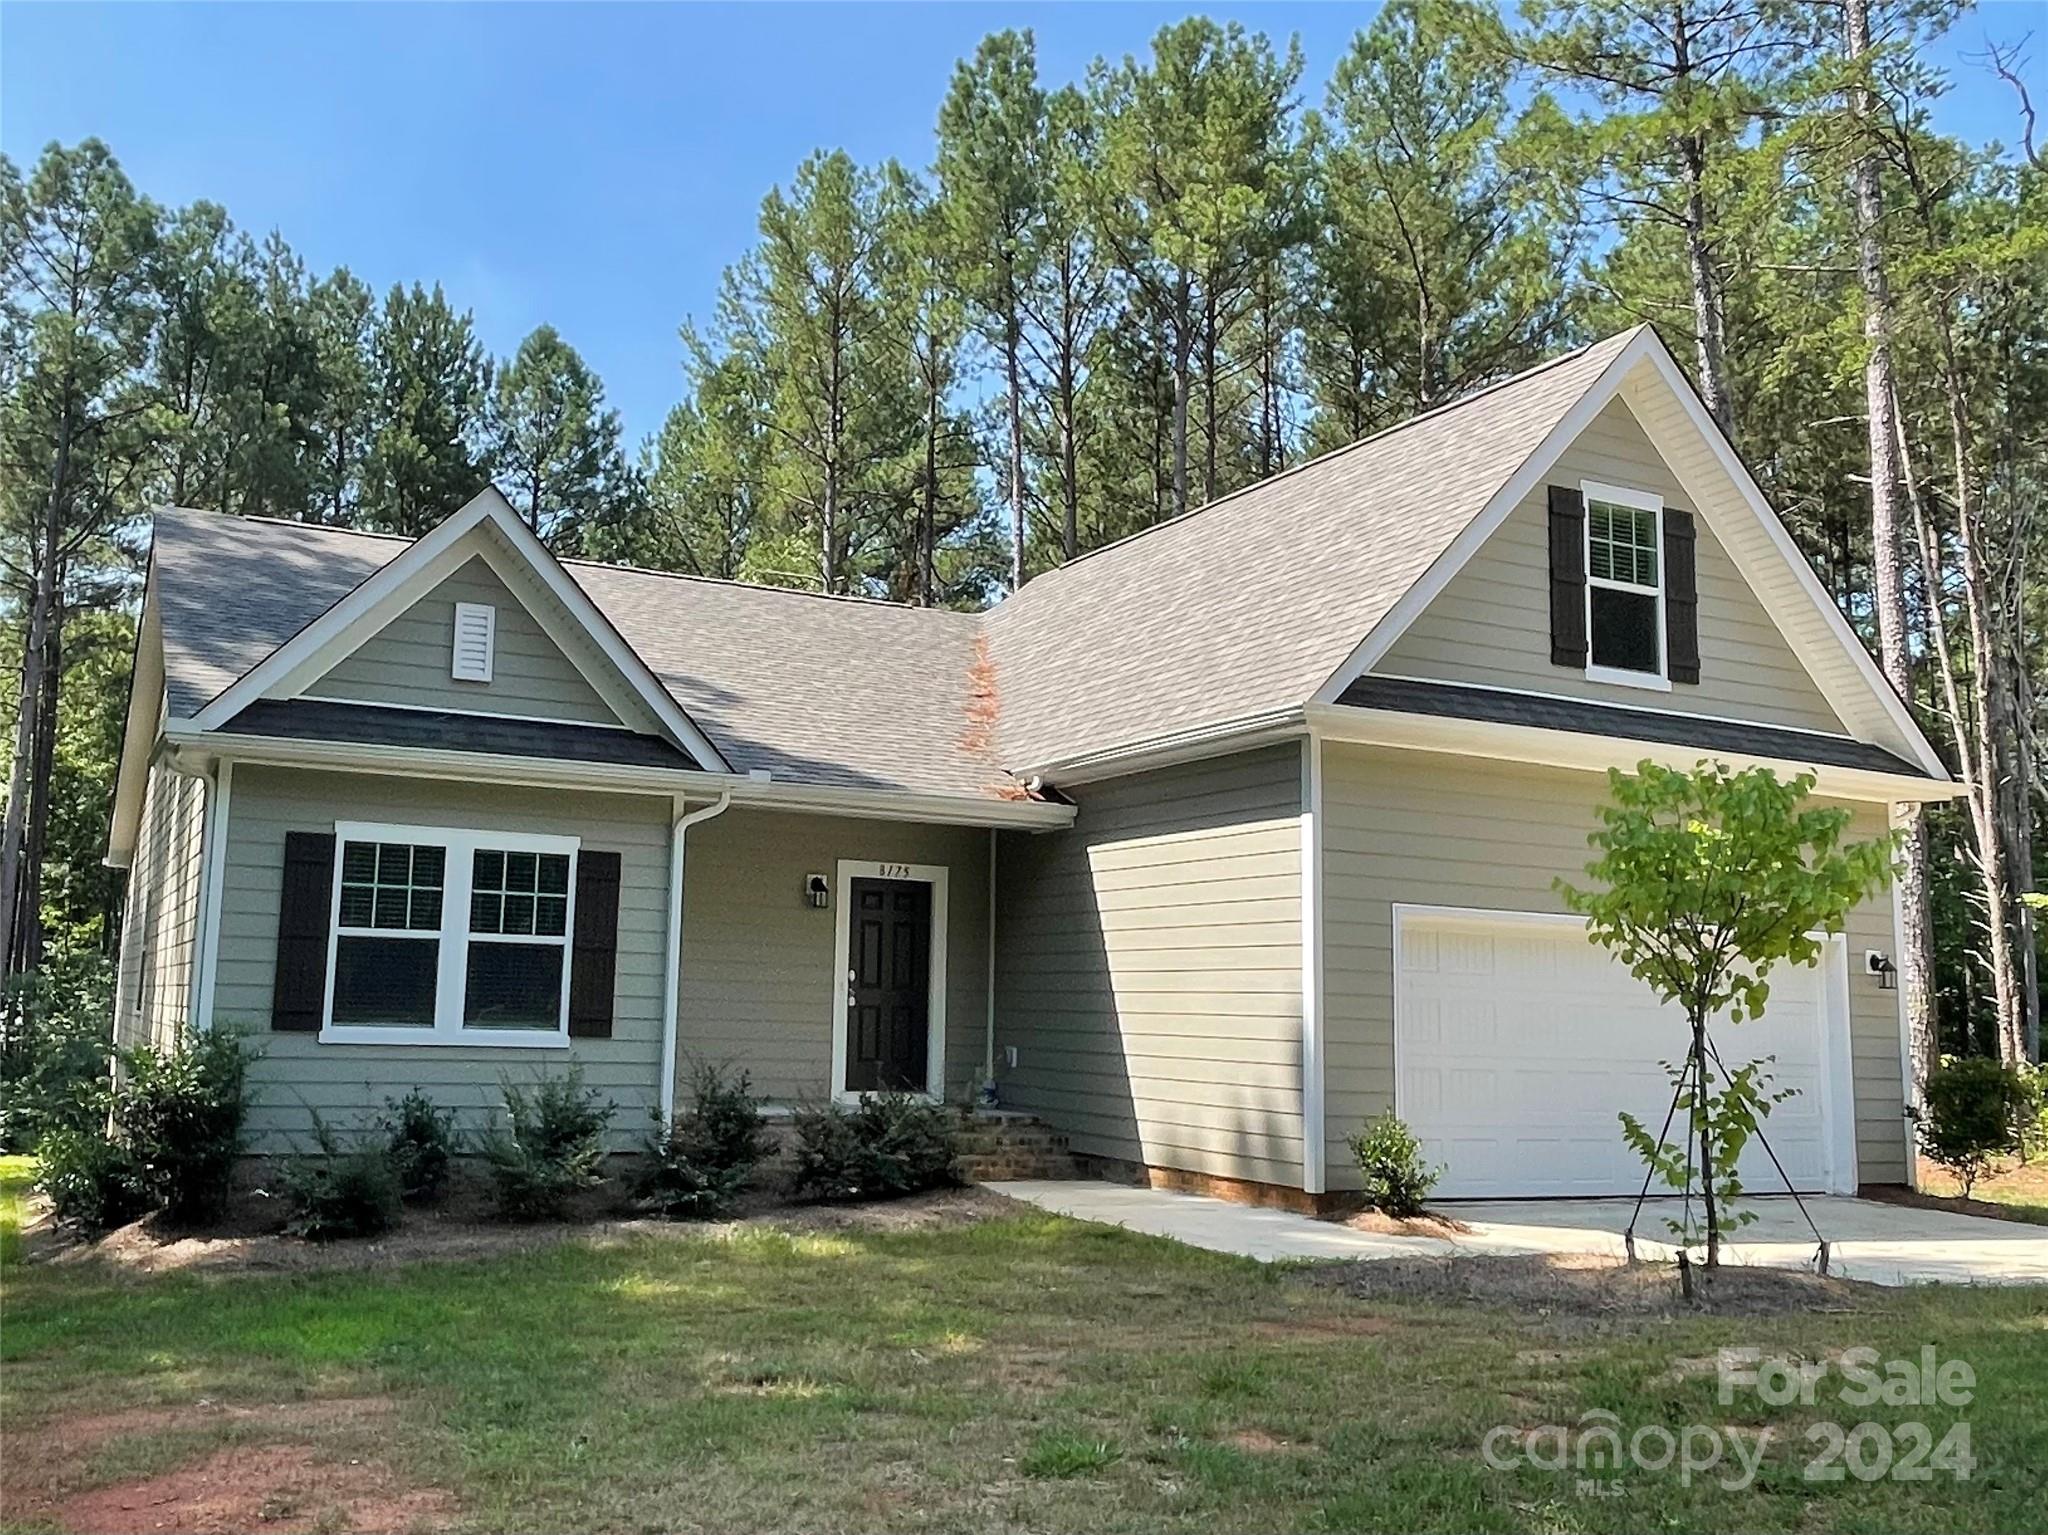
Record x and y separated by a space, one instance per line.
283 1486
249 1238
288 1488
1583 1288
1337 1325
1256 1441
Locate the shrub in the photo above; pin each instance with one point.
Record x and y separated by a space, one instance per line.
889 1145
55 1046
698 1167
338 1194
1396 1179
1972 1115
94 1183
420 1143
552 1145
181 1112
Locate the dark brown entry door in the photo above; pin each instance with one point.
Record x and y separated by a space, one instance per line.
888 986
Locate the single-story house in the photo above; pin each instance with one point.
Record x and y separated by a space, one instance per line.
1204 847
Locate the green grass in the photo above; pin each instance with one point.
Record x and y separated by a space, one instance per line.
1028 1372
17 1177
2022 1188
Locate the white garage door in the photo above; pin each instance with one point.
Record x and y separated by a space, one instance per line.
1518 1042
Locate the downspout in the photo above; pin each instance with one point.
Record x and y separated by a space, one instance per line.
988 1054
672 970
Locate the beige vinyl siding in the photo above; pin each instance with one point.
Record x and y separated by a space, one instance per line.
408 661
1491 624
348 1084
759 988
1148 968
1460 831
159 930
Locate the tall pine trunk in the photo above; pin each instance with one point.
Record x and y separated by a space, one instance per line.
1183 345
1916 963
1013 380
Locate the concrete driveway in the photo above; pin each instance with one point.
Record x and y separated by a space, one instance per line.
1870 1240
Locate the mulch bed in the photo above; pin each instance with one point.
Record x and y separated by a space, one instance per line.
249 1237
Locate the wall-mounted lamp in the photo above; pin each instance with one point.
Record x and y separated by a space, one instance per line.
817 892
1876 962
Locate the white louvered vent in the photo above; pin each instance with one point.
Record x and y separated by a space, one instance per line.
476 628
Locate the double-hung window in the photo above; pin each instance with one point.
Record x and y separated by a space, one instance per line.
1625 586
445 936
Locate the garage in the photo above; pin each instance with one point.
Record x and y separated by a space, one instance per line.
1517 1043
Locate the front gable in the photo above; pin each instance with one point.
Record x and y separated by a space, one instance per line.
1490 625
392 642
412 661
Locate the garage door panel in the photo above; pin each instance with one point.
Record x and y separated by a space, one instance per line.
1520 1042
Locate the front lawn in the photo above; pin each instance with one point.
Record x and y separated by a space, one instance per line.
1022 1372
2019 1188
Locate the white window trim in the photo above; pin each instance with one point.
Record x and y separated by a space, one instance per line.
461 844
935 875
1642 501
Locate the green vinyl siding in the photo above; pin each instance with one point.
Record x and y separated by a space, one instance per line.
1148 968
408 661
1490 625
1431 830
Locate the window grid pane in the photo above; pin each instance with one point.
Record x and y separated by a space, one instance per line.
519 894
391 886
1622 544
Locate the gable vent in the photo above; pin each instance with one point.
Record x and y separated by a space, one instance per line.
476 628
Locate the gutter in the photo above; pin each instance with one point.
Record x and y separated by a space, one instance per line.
486 767
1241 734
672 966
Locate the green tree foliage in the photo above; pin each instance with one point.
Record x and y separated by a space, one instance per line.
432 384
1706 880
1437 267
554 447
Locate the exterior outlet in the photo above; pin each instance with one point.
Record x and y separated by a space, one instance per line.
476 629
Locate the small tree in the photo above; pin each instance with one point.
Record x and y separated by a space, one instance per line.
1712 878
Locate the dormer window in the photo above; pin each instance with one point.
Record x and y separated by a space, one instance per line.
1624 586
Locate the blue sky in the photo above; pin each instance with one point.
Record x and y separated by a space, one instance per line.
595 166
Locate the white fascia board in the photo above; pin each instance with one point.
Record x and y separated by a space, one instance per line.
424 564
1395 621
1594 753
1753 497
486 767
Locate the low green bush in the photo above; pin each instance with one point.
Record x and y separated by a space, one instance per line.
420 1141
94 1183
697 1166
1972 1114
181 1111
1393 1175
888 1145
341 1193
550 1148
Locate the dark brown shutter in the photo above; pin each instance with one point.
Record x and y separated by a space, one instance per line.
1567 577
594 953
304 908
1681 597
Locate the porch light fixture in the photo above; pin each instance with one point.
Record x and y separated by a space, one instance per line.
1880 965
816 891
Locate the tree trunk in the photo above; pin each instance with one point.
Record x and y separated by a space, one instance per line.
1888 568
35 652
1208 397
1706 1137
28 932
1012 340
1709 322
928 512
1182 346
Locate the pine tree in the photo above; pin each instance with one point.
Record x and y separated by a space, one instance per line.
433 384
554 448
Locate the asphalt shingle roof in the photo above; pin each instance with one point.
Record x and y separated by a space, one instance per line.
1242 607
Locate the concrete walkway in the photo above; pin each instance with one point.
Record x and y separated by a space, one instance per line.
1883 1243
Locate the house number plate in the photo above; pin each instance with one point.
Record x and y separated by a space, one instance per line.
892 870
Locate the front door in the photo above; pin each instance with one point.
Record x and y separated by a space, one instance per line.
888 984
